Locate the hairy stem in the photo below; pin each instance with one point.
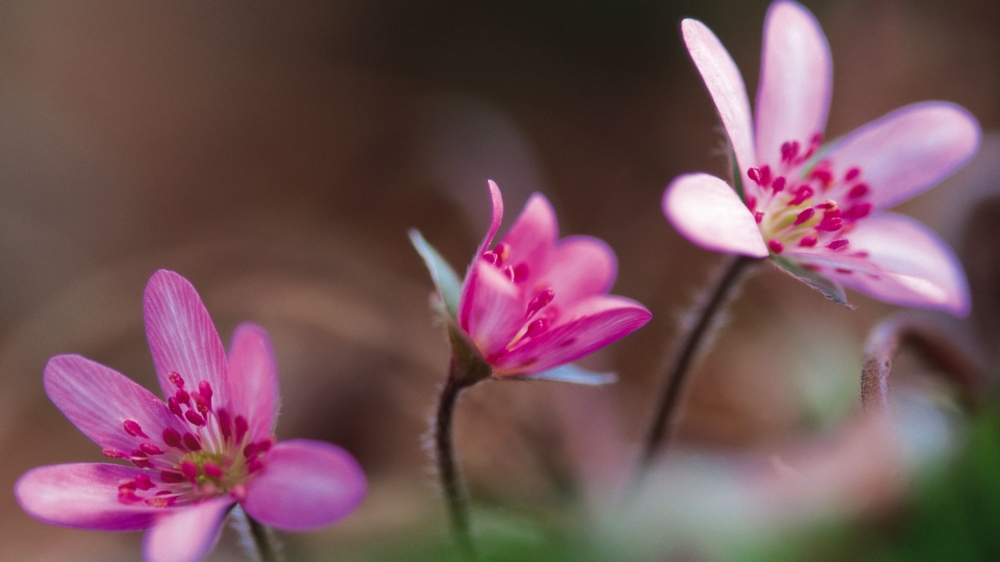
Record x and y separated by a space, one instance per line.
936 346
451 481
257 540
706 312
262 539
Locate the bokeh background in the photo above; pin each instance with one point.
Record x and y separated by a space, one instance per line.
276 154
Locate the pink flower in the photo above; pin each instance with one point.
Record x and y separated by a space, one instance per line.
816 209
208 447
533 302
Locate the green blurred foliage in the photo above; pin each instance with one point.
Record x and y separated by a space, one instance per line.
501 536
953 514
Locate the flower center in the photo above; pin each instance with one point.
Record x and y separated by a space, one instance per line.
803 205
539 313
206 453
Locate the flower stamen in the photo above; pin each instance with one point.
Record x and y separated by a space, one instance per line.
786 207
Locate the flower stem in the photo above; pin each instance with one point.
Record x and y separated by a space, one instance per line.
705 313
936 346
451 481
257 540
262 540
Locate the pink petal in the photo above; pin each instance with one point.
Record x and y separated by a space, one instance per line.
82 496
491 310
497 201
709 213
908 150
533 235
597 322
725 85
581 266
182 337
304 485
186 534
253 379
907 265
99 400
793 96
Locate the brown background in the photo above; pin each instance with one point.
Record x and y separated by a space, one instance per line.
276 153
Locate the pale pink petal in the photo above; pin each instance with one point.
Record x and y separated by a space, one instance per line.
253 380
83 496
725 85
491 310
796 74
99 401
304 485
908 150
907 264
709 213
533 235
496 200
581 266
182 337
186 534
595 322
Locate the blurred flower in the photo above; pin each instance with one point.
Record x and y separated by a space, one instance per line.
534 303
721 506
813 208
209 446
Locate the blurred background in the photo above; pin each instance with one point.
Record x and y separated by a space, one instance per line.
276 153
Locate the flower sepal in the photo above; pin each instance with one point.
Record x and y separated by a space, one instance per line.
469 365
734 172
472 367
446 281
573 374
827 287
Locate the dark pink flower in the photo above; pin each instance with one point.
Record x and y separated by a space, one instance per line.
208 447
817 209
534 302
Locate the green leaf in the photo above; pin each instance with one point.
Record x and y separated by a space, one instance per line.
575 375
830 289
445 280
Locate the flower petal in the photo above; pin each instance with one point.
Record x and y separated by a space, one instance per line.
496 200
532 237
253 380
709 213
491 310
796 75
581 266
596 322
304 485
186 534
725 85
83 496
182 336
908 264
908 150
98 400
